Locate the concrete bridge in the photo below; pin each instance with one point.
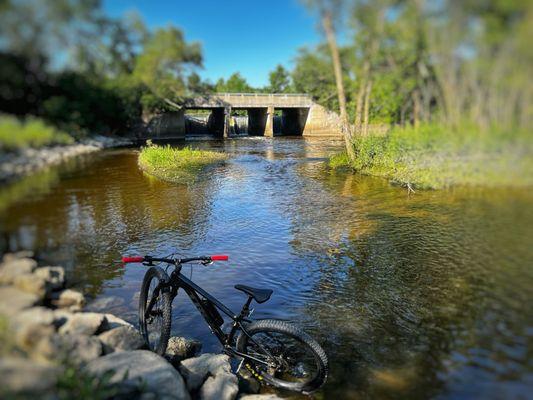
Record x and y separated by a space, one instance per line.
267 115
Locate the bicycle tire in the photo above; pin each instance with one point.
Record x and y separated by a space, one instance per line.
166 310
285 328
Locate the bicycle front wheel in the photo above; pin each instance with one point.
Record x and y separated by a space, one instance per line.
155 323
285 356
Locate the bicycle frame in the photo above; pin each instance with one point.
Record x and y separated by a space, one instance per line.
206 304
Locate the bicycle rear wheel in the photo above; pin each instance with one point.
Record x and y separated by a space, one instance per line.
155 325
296 361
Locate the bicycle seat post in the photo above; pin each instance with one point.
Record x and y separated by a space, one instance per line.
246 308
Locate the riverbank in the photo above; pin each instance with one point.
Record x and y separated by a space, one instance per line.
176 165
433 157
27 160
51 348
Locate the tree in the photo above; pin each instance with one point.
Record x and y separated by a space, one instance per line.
234 84
328 10
164 63
279 80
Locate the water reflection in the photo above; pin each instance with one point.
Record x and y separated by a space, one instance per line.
413 296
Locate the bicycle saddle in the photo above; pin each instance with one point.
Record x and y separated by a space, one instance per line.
259 295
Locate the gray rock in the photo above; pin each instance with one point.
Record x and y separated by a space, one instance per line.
142 367
260 397
31 325
104 304
21 377
54 277
12 268
180 348
114 322
84 324
17 255
123 338
31 284
12 300
75 349
222 386
196 370
69 299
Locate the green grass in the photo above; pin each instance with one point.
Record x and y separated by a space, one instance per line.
176 165
33 132
433 157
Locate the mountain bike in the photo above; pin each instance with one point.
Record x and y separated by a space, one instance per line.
276 352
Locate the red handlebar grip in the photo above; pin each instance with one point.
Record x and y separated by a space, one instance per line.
219 257
136 259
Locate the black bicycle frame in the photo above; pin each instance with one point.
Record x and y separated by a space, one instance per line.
208 305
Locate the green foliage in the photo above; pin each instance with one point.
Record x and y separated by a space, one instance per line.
313 74
16 135
339 161
434 157
234 84
176 165
279 80
163 63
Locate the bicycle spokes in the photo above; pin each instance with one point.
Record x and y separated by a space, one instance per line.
284 358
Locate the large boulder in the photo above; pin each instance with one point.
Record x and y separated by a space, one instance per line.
21 378
31 325
215 371
74 349
12 300
142 368
14 267
84 324
123 338
68 299
180 348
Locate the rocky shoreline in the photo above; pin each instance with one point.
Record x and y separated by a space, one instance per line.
15 165
50 348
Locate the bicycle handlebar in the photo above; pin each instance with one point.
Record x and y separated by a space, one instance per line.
149 259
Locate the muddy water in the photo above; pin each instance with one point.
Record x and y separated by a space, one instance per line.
425 295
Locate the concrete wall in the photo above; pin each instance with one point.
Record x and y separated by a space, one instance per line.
170 125
322 122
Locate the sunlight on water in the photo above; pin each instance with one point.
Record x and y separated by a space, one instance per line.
412 296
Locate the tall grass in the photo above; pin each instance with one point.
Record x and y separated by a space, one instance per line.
33 132
176 165
435 157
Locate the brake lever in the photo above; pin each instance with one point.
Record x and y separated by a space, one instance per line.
206 263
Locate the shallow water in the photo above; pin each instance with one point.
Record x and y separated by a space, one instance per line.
425 295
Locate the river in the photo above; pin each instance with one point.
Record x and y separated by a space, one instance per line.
413 296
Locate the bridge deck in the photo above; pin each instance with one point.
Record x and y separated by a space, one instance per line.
251 100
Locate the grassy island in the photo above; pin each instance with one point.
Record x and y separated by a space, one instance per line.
176 165
433 157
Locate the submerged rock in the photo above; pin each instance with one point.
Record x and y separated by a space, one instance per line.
132 369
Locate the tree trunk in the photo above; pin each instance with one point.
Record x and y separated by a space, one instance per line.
368 91
332 43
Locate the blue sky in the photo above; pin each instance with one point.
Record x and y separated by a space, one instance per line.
248 36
